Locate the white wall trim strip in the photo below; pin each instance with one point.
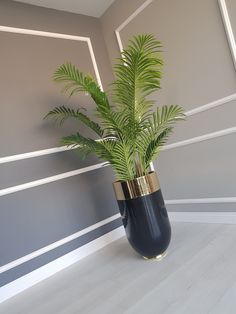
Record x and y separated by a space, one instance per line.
213 200
37 153
90 47
119 41
128 20
78 234
228 29
51 35
46 271
54 150
201 138
211 105
25 31
57 265
65 175
208 106
56 244
57 177
204 217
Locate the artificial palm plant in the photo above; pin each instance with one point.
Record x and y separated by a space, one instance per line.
130 131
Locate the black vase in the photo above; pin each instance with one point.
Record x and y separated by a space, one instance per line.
144 215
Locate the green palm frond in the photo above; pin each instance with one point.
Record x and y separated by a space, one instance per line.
166 115
138 74
88 145
153 137
123 160
62 113
131 133
76 82
155 145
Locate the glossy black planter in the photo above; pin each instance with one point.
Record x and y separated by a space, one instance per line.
144 215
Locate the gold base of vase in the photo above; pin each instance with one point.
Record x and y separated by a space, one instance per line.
156 258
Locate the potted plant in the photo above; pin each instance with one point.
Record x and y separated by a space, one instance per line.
130 134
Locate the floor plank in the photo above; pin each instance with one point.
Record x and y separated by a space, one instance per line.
198 276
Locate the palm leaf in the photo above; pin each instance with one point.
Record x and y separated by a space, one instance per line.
88 145
154 146
76 82
131 133
140 65
62 113
154 134
123 161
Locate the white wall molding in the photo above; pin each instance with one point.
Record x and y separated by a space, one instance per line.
174 217
204 217
201 138
51 179
228 29
72 173
90 47
208 106
6 159
209 200
37 153
25 31
33 32
128 20
56 244
46 271
211 105
49 151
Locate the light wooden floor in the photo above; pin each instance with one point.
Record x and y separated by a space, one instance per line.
197 276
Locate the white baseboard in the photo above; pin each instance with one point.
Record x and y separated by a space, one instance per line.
46 271
63 262
56 244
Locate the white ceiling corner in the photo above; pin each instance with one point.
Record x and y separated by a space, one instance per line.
93 8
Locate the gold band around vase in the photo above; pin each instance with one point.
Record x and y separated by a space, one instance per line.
137 187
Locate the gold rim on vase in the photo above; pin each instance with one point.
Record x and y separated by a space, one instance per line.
137 187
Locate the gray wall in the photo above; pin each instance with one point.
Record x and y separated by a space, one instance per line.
36 217
198 70
232 13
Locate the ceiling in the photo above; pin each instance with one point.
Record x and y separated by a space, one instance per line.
87 7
